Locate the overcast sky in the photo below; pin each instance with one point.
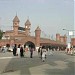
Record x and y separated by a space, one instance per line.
51 15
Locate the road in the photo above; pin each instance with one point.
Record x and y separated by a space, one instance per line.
58 63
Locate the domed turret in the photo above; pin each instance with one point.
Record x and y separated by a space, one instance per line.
27 22
27 27
16 19
38 28
16 25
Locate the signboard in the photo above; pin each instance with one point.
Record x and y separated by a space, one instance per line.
70 33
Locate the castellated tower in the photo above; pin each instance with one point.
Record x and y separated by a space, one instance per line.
16 25
37 36
65 39
27 27
57 37
61 38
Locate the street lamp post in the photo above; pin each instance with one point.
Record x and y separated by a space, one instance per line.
70 33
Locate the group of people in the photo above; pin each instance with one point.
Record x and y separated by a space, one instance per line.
18 51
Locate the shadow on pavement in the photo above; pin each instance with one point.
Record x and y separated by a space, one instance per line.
21 66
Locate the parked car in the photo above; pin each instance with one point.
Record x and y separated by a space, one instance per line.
10 49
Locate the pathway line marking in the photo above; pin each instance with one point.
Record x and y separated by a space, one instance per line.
7 57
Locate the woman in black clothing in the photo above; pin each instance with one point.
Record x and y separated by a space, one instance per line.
14 50
21 52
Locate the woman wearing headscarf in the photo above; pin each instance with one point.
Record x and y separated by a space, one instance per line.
14 50
21 51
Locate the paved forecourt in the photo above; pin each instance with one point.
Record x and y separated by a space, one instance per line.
57 63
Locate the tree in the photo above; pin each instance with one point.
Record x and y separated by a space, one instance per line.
1 34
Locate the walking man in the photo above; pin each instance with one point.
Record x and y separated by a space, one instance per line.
43 53
31 52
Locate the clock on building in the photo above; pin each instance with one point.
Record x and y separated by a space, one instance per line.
26 26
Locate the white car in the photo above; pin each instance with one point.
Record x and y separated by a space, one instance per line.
10 49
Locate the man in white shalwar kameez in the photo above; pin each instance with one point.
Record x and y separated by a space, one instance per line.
43 53
18 50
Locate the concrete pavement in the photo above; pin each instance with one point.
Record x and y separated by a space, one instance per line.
57 64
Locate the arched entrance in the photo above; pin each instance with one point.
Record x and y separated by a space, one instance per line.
29 44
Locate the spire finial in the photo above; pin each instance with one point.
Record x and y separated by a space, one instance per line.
16 13
28 17
16 19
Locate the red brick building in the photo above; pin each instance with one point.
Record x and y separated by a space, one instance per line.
73 42
20 35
